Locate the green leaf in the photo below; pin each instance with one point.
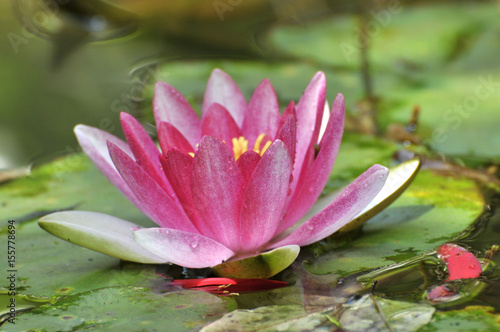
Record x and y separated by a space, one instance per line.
397 40
359 315
123 308
435 209
268 318
472 318
375 313
449 68
262 266
12 302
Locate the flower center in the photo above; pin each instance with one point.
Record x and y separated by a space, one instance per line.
240 145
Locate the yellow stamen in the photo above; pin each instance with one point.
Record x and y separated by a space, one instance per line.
267 145
196 148
256 146
240 145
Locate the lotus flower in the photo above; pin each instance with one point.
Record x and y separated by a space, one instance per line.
231 185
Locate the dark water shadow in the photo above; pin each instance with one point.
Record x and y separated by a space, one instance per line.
395 216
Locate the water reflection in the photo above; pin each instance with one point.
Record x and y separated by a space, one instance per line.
96 19
71 23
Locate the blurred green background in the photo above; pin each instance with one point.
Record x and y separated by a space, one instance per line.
65 62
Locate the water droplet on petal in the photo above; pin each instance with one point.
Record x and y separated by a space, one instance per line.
309 226
194 243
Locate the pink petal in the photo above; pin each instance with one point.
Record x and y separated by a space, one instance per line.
443 293
93 142
309 115
289 110
313 103
219 123
317 176
217 186
178 166
223 90
153 200
341 211
288 134
228 286
169 137
263 114
170 106
265 196
461 264
247 163
145 151
183 248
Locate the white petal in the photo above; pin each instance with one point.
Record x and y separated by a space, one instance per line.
400 177
183 248
324 121
100 232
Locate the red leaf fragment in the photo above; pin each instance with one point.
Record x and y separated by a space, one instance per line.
461 264
442 293
228 286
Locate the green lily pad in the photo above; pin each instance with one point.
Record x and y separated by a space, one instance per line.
449 68
268 318
261 266
370 312
400 38
15 303
358 315
120 308
435 209
48 266
472 318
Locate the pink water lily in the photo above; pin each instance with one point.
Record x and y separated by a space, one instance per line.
230 185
